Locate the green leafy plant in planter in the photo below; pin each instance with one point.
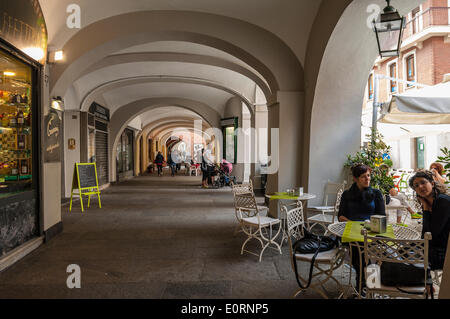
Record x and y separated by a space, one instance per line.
375 154
445 160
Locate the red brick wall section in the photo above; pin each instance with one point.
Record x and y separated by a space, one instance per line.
441 59
425 63
437 3
439 15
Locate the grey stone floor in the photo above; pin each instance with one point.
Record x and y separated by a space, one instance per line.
156 238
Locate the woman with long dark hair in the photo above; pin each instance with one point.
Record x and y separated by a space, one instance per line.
433 196
359 203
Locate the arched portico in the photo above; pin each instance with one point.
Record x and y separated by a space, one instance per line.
181 58
110 86
124 115
335 116
255 46
272 65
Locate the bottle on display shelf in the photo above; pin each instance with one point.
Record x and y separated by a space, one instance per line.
21 141
5 120
20 119
17 98
24 167
12 98
14 170
12 120
24 99
28 120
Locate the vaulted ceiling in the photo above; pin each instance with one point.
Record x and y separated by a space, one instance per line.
202 51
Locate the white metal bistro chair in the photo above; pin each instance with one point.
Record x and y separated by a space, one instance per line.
242 188
193 170
326 262
256 226
245 188
326 214
414 252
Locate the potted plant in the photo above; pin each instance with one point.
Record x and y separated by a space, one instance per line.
375 154
445 160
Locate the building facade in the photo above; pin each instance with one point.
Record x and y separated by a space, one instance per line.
424 60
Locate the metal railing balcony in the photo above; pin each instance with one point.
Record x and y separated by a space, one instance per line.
434 16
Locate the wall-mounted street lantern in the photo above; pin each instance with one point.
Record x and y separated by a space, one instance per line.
389 31
57 103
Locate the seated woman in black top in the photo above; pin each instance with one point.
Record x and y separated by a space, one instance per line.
436 214
358 204
361 201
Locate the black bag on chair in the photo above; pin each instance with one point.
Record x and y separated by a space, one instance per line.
311 244
399 274
404 275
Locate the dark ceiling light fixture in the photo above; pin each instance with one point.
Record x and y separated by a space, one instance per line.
389 31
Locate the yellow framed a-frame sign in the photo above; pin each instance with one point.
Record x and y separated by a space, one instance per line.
85 183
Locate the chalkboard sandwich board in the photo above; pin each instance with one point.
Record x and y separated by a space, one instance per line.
85 182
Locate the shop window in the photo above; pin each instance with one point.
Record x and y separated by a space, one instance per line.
125 154
129 151
393 74
230 139
16 140
420 152
410 70
370 87
91 146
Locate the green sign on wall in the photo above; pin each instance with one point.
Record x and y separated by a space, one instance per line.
420 152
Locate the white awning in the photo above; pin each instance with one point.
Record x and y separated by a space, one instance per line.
430 105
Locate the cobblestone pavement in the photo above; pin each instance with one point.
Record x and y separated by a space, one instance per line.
157 238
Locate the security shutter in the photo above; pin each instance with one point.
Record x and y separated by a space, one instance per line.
101 153
101 126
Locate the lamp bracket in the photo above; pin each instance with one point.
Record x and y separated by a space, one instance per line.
389 8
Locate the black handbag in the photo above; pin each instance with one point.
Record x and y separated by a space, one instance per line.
399 274
311 244
404 275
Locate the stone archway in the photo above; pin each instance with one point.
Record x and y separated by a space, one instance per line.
335 113
127 113
255 46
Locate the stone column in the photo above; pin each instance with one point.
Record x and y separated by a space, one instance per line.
284 171
260 142
253 149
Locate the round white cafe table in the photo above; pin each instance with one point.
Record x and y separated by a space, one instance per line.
400 232
283 214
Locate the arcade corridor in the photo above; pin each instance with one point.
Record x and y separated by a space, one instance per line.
153 238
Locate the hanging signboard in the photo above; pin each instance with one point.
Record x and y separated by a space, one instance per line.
100 111
85 183
22 24
52 138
